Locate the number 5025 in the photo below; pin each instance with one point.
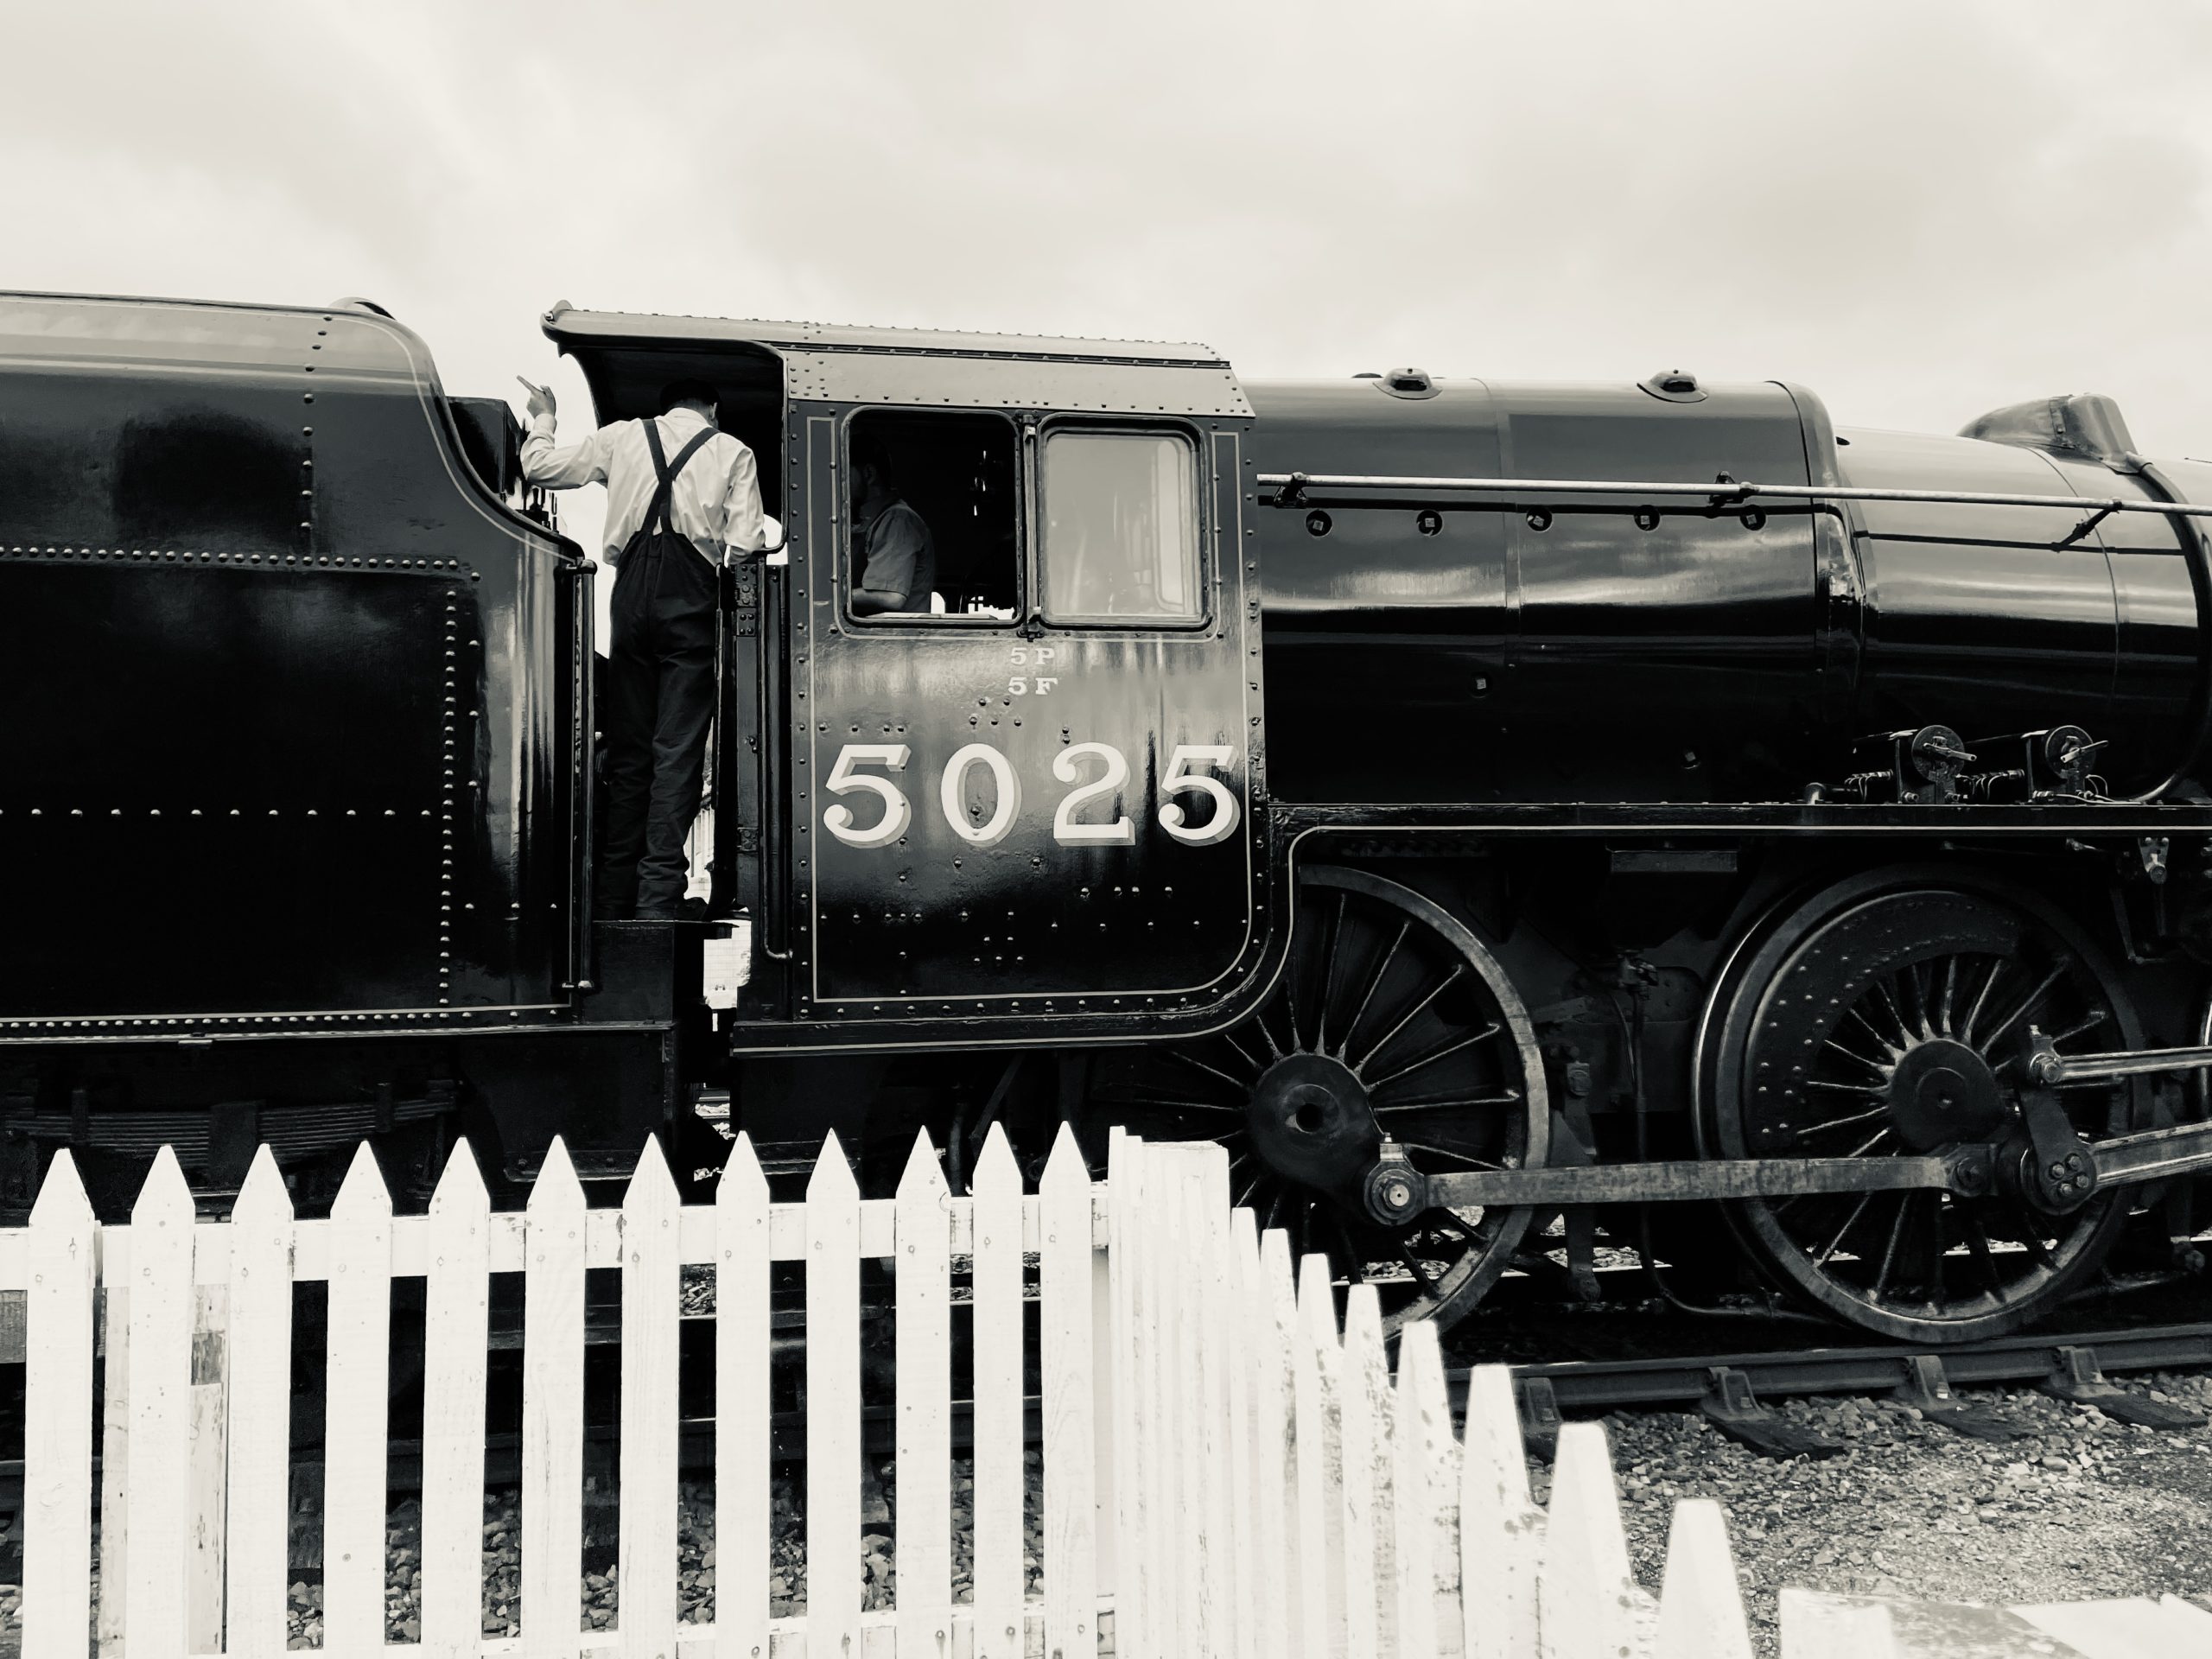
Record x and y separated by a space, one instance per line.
1078 820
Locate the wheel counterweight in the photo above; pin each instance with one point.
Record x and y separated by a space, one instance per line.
1892 1017
1390 1017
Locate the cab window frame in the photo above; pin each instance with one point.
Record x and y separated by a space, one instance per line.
1199 527
963 621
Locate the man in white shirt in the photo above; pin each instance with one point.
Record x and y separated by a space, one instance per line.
680 496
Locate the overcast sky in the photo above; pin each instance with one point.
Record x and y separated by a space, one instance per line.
1921 210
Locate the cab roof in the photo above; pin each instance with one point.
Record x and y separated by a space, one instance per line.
626 357
568 327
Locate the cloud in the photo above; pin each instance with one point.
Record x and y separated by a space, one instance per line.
1921 212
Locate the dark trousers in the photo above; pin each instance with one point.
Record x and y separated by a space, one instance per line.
659 701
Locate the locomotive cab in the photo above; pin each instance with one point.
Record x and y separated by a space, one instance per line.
1019 808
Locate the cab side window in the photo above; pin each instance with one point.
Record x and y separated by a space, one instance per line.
933 518
1120 528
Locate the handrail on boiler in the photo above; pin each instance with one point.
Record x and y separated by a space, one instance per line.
1723 492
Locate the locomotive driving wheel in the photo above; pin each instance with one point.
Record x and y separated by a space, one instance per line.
1889 1018
1390 1018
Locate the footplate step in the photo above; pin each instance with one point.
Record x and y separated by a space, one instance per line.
1927 1392
1731 1406
2079 1381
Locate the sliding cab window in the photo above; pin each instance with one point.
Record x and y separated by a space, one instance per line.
1120 528
934 518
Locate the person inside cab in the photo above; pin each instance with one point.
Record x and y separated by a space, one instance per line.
680 496
894 560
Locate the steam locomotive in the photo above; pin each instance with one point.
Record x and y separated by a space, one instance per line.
1510 817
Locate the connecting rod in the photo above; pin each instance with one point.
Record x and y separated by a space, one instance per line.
2044 1161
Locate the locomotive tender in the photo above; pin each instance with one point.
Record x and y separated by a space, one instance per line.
1644 806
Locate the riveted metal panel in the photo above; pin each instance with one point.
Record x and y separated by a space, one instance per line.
297 743
930 381
1039 923
229 773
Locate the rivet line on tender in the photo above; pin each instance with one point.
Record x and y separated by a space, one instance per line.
190 555
445 839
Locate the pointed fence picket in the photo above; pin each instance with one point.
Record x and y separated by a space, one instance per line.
1700 1613
1371 1561
922 1310
1269 1313
652 1305
742 1490
156 1502
356 1406
553 1408
1501 1530
1065 1372
257 1370
1422 1453
833 1404
996 1465
57 1416
1270 1480
455 1337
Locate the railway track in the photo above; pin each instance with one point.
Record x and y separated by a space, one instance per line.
1734 1373
1733 1387
1730 1388
1623 1355
1613 1356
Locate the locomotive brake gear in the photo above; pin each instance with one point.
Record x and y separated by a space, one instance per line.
2153 851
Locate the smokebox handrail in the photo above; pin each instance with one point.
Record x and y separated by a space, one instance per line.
1291 488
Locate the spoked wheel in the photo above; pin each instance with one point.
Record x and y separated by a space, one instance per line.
1390 1017
1891 1018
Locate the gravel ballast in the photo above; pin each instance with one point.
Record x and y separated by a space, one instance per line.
2084 1509
2081 1508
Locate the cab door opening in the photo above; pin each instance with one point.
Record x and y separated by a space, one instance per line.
628 379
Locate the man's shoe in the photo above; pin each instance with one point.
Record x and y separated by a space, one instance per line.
655 913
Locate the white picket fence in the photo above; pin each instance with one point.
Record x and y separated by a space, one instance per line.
1225 1473
183 1574
1278 1490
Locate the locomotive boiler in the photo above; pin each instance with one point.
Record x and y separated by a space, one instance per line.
1510 817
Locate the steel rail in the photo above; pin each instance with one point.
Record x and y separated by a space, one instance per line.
1584 1386
1864 1368
1721 493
